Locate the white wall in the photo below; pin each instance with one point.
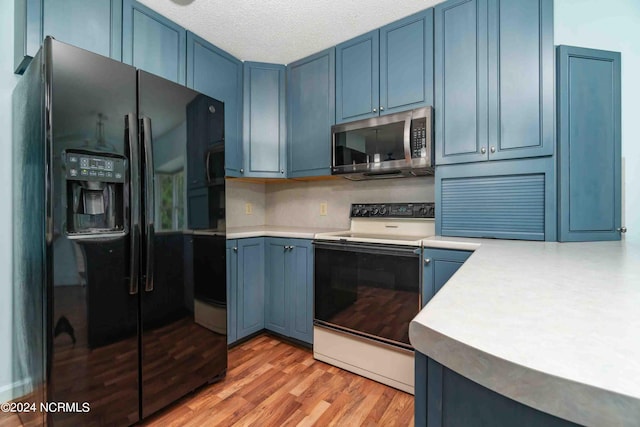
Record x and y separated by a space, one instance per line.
7 83
612 25
297 203
238 193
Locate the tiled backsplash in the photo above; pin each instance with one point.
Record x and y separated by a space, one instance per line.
298 203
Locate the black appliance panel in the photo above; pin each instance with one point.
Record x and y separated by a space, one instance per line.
371 290
174 319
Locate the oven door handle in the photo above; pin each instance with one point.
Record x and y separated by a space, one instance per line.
373 248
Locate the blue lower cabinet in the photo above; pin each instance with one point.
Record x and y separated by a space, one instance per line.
245 287
438 267
153 43
444 398
92 25
300 290
275 304
589 140
289 288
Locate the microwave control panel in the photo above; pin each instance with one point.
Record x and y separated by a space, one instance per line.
419 138
393 210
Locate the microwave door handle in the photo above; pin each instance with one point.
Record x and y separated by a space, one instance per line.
407 137
208 167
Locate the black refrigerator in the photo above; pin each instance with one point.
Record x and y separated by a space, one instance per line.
116 173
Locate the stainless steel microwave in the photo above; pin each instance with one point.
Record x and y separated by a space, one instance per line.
391 146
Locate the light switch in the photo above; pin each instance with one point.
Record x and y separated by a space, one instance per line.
323 209
248 209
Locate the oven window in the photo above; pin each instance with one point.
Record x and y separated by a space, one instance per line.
370 145
374 294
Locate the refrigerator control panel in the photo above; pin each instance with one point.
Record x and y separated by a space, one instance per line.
92 167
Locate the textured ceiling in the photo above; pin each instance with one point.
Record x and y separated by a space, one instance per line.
282 31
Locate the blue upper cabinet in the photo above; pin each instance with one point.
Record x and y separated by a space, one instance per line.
589 144
461 89
310 114
153 43
357 78
217 74
521 92
264 120
493 80
386 70
95 26
406 63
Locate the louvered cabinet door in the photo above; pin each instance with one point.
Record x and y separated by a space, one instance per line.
504 200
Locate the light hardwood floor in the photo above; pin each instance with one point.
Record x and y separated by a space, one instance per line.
273 383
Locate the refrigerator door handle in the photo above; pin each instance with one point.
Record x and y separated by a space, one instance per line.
131 133
149 197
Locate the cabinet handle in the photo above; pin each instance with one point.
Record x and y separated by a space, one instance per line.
291 247
493 149
235 249
241 170
427 261
375 110
622 229
286 248
381 108
281 170
483 150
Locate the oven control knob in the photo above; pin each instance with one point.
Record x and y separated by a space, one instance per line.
383 211
375 211
355 211
364 212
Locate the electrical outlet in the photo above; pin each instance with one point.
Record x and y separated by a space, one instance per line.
248 209
323 209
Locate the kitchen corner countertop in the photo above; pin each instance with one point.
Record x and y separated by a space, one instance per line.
555 326
276 231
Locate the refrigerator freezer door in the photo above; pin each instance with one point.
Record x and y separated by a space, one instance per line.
184 343
92 316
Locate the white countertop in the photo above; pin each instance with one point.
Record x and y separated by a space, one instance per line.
555 326
276 231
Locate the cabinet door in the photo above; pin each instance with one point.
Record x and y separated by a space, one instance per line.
153 43
357 78
406 63
217 74
198 208
521 79
300 290
275 302
95 26
439 266
461 90
589 144
205 133
310 114
264 120
250 314
232 290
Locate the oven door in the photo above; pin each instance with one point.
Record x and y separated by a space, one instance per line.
372 290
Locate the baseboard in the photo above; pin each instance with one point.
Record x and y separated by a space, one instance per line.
15 389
